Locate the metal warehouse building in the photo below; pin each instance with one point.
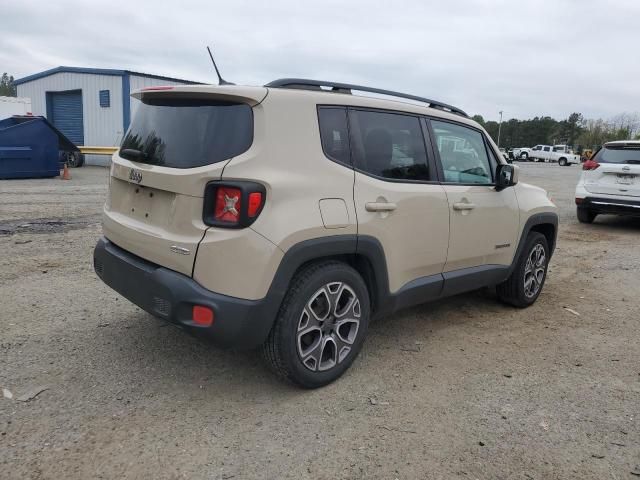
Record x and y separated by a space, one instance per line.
91 106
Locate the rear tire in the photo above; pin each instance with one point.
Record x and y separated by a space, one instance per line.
585 215
321 325
525 283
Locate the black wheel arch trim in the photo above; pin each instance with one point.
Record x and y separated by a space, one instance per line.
356 248
537 219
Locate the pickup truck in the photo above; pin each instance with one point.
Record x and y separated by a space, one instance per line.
521 153
554 153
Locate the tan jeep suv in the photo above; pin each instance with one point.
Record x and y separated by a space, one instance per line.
288 216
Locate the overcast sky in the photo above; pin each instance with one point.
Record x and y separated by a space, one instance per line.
527 58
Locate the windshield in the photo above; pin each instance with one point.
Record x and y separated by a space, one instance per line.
621 154
187 133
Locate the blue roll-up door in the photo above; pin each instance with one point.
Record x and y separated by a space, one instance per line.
64 110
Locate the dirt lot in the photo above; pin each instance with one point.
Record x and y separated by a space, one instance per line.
462 388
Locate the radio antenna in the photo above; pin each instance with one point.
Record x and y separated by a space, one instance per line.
221 81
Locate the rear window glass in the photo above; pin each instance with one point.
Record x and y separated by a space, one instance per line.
622 154
187 133
388 145
334 133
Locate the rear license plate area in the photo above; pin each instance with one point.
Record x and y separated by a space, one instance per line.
625 179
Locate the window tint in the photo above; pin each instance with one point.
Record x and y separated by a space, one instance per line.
334 133
618 154
388 145
186 133
462 153
547 149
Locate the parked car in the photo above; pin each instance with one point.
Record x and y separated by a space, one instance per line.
521 153
505 155
610 181
288 216
558 153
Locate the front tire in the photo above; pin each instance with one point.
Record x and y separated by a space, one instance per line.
524 156
585 215
562 162
525 283
321 325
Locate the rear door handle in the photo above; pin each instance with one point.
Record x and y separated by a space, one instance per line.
464 206
380 207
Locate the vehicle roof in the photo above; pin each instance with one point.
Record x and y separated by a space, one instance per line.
623 142
255 95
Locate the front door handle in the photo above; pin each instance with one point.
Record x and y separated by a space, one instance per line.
380 207
464 206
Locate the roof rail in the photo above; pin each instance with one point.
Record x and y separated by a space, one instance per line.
306 84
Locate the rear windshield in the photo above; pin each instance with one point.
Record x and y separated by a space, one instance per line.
186 133
621 154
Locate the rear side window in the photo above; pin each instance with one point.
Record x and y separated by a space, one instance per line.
621 154
334 133
463 154
187 133
388 145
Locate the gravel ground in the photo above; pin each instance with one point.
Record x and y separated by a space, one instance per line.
461 388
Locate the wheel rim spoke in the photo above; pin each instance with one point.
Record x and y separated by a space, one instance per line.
534 270
328 326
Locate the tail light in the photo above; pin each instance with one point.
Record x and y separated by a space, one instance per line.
232 204
158 87
590 165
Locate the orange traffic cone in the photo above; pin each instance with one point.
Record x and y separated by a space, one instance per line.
66 175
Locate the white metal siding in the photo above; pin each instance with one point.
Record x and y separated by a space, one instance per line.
102 126
14 106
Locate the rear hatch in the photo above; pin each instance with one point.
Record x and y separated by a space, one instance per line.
179 140
618 172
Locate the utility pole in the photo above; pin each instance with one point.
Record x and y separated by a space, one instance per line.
499 128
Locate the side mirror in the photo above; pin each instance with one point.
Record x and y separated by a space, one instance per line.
506 176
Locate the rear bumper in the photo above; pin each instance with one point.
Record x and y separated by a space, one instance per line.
238 323
611 206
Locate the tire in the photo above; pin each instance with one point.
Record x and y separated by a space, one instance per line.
585 215
562 162
311 352
72 159
525 283
524 156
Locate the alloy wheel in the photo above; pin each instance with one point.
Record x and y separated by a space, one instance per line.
328 326
534 270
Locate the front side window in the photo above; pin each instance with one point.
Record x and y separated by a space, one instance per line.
463 154
388 145
334 133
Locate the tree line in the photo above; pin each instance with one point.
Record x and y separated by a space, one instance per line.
7 87
575 130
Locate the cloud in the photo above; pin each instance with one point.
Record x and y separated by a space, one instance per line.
527 58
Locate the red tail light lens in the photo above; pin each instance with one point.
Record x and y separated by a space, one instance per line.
233 204
590 165
255 203
158 87
228 205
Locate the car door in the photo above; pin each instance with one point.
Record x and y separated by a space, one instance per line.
546 153
483 222
398 199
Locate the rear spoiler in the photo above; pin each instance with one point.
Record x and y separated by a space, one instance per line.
234 93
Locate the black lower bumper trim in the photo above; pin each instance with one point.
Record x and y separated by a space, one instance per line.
238 323
610 206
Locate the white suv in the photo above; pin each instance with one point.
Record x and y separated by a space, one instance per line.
286 216
610 181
